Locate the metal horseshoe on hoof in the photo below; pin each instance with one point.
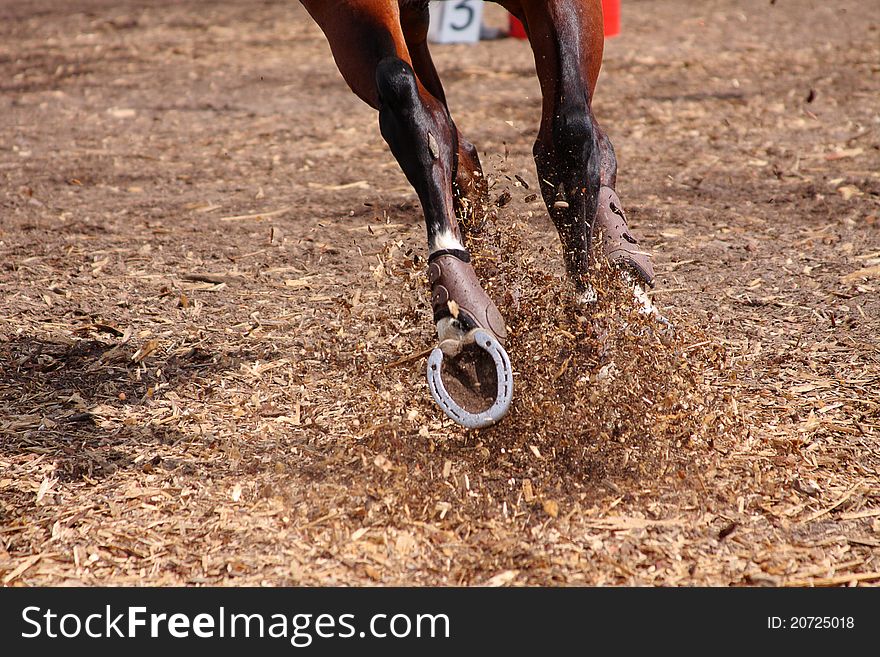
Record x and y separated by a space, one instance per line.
488 343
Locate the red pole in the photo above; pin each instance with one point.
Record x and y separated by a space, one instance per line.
610 8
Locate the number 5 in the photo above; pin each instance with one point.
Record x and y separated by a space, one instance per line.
465 5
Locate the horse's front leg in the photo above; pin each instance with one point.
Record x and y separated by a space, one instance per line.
470 191
371 51
423 139
575 160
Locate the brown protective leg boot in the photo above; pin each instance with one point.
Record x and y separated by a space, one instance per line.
456 294
620 247
469 373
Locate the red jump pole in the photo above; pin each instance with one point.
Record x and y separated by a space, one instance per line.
517 31
611 10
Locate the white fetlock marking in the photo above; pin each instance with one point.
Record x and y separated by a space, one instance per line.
446 240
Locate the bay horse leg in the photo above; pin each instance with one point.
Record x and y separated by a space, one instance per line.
577 167
370 49
470 188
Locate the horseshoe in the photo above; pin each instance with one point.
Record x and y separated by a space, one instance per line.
488 343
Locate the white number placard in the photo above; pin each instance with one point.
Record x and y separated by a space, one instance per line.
456 21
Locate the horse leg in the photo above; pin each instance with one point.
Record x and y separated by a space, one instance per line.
577 168
470 189
370 49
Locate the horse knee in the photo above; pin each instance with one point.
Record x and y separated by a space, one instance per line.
416 127
407 120
575 142
396 84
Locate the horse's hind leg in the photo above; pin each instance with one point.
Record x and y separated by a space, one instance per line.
576 164
370 49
